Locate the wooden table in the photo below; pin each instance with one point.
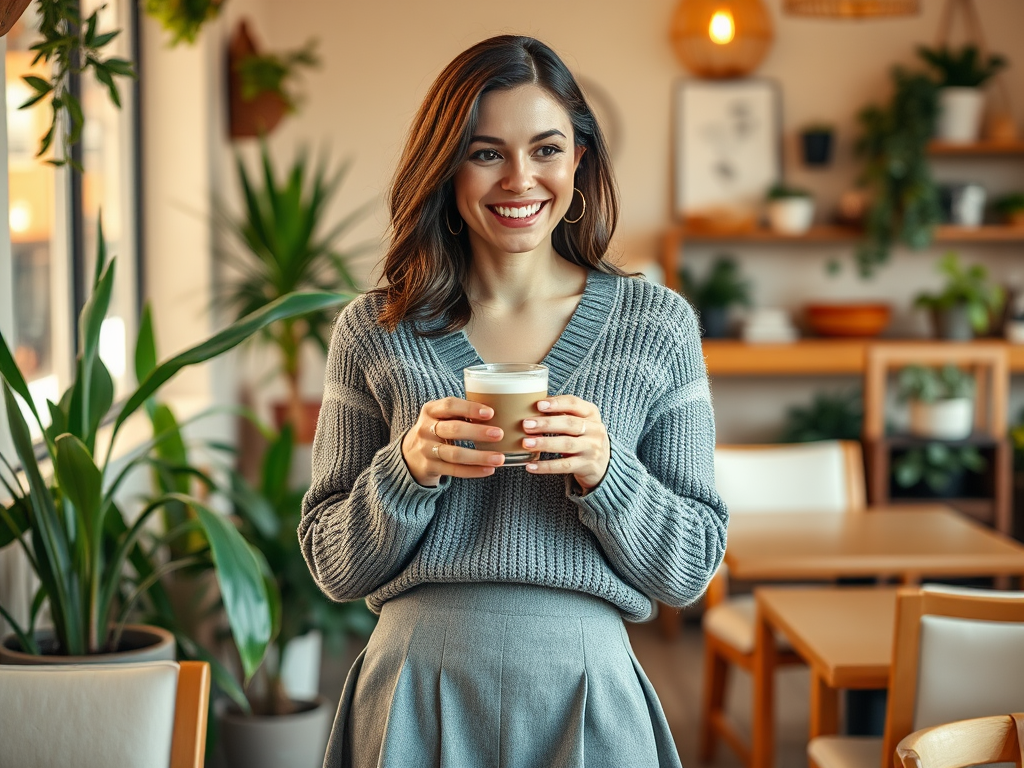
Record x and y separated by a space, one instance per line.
902 543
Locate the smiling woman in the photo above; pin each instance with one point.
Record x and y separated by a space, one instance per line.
502 587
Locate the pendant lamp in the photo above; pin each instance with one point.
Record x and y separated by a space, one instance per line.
721 38
852 9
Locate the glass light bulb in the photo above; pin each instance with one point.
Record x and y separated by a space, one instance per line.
722 28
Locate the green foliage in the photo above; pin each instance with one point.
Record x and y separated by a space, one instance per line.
893 143
830 416
269 72
780 191
280 244
722 287
88 558
935 463
1009 203
961 68
71 47
969 286
183 18
929 385
269 513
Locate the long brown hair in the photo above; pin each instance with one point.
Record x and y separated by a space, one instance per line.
426 266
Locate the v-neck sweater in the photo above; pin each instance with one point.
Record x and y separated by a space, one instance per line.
654 528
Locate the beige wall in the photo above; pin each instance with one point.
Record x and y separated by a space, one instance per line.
379 58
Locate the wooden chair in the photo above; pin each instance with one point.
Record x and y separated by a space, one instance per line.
980 741
956 655
823 477
143 714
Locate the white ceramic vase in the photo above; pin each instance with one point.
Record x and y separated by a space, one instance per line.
960 112
950 419
791 215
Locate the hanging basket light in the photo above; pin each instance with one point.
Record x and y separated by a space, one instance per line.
721 38
852 9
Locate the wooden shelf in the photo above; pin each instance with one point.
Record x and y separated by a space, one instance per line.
830 233
812 356
939 148
989 233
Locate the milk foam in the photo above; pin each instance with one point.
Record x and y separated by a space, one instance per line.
510 384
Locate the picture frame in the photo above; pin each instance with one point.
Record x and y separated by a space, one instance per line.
728 145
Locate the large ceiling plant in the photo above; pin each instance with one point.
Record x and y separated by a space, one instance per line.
894 141
65 514
281 243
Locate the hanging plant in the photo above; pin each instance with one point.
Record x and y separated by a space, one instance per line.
269 73
905 201
183 18
71 47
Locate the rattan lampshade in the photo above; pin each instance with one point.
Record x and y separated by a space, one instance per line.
721 38
852 9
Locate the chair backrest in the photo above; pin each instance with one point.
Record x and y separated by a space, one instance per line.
956 655
825 476
146 714
979 741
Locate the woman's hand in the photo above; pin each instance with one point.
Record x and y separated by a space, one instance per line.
578 434
425 447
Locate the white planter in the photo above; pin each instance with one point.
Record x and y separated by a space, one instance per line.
296 741
960 112
791 215
950 419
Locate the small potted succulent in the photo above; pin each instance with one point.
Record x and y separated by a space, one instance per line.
960 75
967 303
941 401
790 209
722 288
1011 208
816 140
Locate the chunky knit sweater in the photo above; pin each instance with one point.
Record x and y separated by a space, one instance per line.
653 529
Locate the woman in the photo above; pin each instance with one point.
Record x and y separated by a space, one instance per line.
502 590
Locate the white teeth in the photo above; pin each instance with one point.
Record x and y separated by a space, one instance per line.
518 213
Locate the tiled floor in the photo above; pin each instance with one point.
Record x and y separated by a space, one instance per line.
674 668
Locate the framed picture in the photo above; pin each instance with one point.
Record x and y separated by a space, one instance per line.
728 144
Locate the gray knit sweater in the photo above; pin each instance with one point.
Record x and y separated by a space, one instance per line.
654 528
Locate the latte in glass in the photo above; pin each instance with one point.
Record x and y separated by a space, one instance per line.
512 390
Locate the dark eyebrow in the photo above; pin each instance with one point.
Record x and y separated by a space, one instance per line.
501 142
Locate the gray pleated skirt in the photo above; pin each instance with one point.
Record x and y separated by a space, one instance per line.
493 674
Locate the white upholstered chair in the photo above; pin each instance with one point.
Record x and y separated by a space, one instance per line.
979 741
824 477
957 655
145 715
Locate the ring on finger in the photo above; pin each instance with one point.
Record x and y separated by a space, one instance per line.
436 450
433 430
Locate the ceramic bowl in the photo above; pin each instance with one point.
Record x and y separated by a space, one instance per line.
847 319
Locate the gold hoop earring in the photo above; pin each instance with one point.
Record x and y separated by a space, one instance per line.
582 213
462 224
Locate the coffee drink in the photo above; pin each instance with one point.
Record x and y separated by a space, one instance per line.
512 390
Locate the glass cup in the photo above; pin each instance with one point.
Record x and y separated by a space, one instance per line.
512 390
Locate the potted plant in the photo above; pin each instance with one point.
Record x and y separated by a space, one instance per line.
258 92
966 304
830 416
279 728
960 74
936 470
280 243
790 209
71 527
941 401
904 201
1011 208
183 18
1014 329
722 288
816 142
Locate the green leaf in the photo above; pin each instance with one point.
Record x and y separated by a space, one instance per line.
80 480
10 373
292 305
254 508
242 587
93 314
145 345
277 464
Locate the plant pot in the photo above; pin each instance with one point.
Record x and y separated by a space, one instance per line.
306 428
1014 331
139 642
791 215
258 116
817 147
1015 218
952 323
950 419
962 204
297 741
715 322
960 112
848 319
